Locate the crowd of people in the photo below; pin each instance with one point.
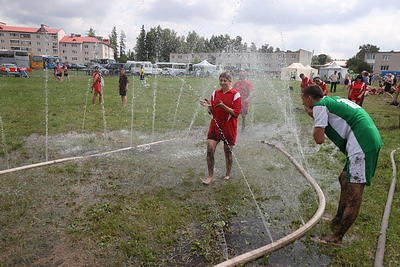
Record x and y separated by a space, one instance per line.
359 86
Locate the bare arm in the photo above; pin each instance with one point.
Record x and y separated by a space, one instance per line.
319 135
227 109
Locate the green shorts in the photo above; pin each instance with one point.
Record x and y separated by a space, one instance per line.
361 167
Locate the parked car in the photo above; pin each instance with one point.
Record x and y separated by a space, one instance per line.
115 67
91 67
9 69
74 66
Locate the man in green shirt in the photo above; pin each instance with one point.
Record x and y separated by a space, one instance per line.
352 130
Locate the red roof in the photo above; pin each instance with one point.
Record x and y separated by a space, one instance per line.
28 29
83 39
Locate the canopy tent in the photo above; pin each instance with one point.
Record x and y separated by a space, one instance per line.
205 68
325 72
204 65
293 72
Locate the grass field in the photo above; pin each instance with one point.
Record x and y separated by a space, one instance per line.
147 206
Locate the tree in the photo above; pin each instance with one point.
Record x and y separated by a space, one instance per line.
122 47
366 48
253 47
141 53
266 48
114 42
320 59
130 55
151 45
91 33
358 65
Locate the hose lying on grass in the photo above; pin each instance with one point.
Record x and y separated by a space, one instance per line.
259 252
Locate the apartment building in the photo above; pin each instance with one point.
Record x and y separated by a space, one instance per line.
383 61
268 62
54 42
37 41
80 49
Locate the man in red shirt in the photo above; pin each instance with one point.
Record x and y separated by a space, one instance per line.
322 84
245 88
305 82
225 107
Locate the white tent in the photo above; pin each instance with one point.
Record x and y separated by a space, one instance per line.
205 68
205 65
329 70
293 72
313 72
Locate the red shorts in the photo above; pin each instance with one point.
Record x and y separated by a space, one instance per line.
223 132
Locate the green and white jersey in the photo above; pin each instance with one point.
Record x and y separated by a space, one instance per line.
347 124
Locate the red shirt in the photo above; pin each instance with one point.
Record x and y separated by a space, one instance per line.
322 84
244 88
356 89
305 82
223 125
96 84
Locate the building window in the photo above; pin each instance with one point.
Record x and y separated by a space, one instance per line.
86 46
38 36
26 42
37 43
74 52
74 45
14 41
64 45
2 41
370 56
386 57
64 51
25 35
14 34
75 58
65 58
384 67
39 50
1 34
294 56
86 53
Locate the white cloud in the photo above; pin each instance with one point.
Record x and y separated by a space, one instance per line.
328 27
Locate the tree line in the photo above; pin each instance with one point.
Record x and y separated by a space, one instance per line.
157 44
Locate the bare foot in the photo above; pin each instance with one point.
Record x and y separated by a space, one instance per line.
327 217
209 180
227 177
330 239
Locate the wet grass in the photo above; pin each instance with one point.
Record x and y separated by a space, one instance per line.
147 206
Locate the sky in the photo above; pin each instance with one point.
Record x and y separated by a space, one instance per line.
331 27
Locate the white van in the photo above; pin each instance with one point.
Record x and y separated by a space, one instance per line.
135 66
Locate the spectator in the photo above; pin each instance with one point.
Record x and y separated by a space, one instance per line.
334 78
245 88
305 82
